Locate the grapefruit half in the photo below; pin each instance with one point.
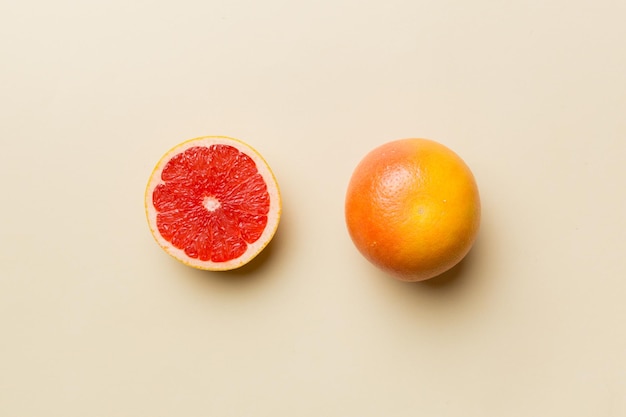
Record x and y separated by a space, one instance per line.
213 203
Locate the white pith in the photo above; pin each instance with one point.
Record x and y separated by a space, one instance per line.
273 216
211 203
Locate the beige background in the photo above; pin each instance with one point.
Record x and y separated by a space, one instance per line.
97 321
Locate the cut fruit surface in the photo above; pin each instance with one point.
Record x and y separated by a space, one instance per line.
213 203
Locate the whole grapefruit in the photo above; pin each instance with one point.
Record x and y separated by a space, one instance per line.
412 208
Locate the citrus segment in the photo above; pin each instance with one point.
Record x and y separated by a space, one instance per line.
213 203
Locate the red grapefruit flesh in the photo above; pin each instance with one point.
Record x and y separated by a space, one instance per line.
213 203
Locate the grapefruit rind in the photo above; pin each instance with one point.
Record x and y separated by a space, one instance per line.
253 249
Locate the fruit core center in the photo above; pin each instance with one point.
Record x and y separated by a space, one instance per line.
211 203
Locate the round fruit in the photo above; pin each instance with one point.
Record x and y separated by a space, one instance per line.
412 208
213 203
